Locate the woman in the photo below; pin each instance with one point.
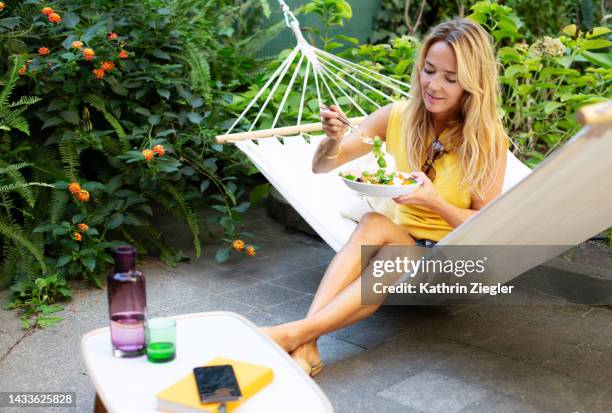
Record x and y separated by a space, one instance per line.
449 135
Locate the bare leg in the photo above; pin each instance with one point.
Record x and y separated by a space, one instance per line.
345 268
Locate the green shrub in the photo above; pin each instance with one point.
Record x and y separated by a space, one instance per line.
126 100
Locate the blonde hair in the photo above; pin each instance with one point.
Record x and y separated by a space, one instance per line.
478 135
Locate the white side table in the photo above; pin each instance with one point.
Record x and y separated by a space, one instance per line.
130 384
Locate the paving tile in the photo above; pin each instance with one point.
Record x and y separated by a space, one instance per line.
527 345
212 302
369 332
168 290
433 392
334 351
374 370
499 403
602 404
292 310
262 295
303 279
584 363
516 379
575 325
218 282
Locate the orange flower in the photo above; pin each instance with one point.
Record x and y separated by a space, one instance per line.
88 54
43 51
108 66
98 73
77 44
147 154
112 36
54 18
22 70
2 6
77 236
83 227
123 54
47 11
250 251
238 245
82 195
74 187
159 150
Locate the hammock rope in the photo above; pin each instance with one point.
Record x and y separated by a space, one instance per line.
332 76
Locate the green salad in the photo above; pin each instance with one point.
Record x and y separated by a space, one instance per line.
379 177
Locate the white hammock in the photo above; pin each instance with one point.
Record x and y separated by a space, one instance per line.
566 200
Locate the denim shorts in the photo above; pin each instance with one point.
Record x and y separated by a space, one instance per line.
425 243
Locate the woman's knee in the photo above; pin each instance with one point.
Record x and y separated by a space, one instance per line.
370 228
372 219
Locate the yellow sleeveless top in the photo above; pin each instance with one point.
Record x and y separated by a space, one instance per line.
420 221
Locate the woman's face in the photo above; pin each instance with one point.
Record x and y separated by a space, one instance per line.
439 85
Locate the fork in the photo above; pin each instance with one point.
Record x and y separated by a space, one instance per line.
342 119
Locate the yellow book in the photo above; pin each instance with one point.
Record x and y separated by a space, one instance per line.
183 397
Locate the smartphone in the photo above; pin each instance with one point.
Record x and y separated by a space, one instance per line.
217 384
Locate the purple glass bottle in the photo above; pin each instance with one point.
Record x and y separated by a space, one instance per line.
127 304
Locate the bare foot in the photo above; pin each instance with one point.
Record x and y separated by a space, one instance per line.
285 335
309 352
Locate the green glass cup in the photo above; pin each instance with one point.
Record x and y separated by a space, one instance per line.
160 335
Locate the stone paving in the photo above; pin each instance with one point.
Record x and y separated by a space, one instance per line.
540 355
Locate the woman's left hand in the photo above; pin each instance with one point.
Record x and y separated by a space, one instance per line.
426 195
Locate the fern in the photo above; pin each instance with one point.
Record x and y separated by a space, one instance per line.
59 203
98 103
12 118
183 212
200 72
11 81
69 155
11 255
25 100
14 233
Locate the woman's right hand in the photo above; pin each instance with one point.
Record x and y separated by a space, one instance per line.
332 127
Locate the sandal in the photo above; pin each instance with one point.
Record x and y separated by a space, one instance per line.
307 367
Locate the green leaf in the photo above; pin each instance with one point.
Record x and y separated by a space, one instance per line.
114 221
44 322
515 70
89 262
597 31
67 43
70 116
153 120
143 111
595 44
550 107
165 93
599 59
242 207
222 255
401 67
10 22
195 118
53 121
509 55
160 54
93 30
570 30
49 309
70 20
63 260
259 193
